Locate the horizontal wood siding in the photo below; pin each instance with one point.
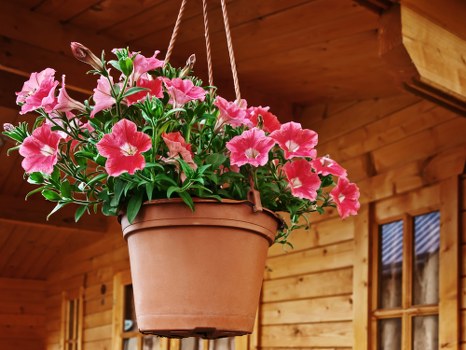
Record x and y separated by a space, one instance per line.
390 147
22 314
92 268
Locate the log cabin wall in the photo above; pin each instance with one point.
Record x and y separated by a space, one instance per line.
390 146
22 314
93 269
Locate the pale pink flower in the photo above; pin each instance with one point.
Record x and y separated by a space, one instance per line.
65 102
302 181
232 113
40 150
177 146
295 141
38 92
123 148
182 91
346 197
153 86
326 166
103 95
58 119
270 121
143 64
251 147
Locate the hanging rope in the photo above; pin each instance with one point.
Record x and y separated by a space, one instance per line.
175 31
231 52
207 43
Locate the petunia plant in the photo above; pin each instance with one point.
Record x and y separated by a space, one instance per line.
151 131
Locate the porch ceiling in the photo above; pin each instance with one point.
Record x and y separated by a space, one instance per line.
292 52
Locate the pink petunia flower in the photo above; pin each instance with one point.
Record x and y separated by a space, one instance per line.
38 92
302 181
346 197
251 147
177 146
182 91
65 102
123 148
295 141
153 86
103 95
269 120
142 65
232 113
40 150
326 166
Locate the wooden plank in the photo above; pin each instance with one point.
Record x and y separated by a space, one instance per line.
64 11
449 271
319 284
319 259
97 333
320 234
362 277
332 334
317 310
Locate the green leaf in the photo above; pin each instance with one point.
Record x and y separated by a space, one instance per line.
134 205
97 178
33 191
118 191
215 159
187 170
187 199
51 195
36 178
163 177
65 189
149 190
79 212
172 189
134 90
57 207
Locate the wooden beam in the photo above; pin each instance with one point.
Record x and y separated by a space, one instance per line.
424 58
34 212
377 6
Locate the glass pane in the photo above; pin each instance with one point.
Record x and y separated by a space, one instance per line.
222 344
426 258
190 344
150 342
130 344
425 332
129 323
390 262
389 334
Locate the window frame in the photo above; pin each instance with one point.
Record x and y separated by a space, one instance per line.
444 197
68 297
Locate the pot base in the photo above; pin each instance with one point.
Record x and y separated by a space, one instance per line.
204 333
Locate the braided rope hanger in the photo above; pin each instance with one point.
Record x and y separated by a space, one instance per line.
231 52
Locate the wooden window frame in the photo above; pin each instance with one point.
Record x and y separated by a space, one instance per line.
78 316
444 197
122 279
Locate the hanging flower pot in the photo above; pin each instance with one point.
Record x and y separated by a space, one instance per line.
198 273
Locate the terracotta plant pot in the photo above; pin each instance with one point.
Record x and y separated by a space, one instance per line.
198 273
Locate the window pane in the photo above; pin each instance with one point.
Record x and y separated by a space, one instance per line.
426 258
129 323
190 343
390 262
130 344
425 333
222 344
71 319
389 334
150 342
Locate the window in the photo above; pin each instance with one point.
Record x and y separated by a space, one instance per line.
407 283
127 337
406 271
72 318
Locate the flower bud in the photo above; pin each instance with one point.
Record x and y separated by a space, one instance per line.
83 54
189 66
8 127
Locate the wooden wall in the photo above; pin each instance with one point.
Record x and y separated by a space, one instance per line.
93 268
389 146
22 314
